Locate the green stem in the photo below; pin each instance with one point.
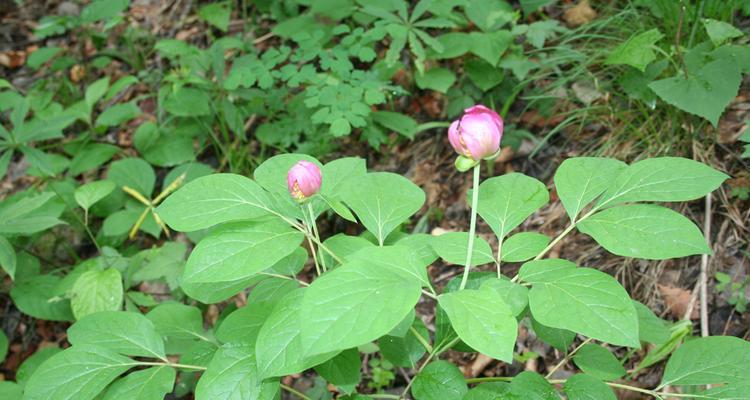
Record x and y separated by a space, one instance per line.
566 358
317 235
295 392
499 254
472 226
435 352
421 339
173 365
310 238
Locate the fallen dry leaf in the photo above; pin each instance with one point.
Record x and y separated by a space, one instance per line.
12 59
677 301
77 73
580 14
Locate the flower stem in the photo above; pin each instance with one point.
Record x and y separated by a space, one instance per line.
472 226
310 238
317 235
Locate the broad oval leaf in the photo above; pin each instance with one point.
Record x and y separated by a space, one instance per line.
35 297
651 328
645 231
514 295
342 370
96 291
452 248
523 246
580 180
360 301
178 321
483 321
232 375
598 362
226 261
88 194
709 360
127 333
213 199
662 179
582 300
148 384
507 200
439 380
586 387
76 374
382 201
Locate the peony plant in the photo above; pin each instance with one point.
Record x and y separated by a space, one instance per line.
253 238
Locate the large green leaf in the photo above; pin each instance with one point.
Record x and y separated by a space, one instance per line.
645 231
709 360
523 246
382 201
7 257
582 179
342 370
213 199
148 384
360 301
243 325
638 51
701 93
507 200
483 321
36 297
405 351
531 386
88 194
96 291
662 179
586 387
582 300
452 247
598 362
76 374
226 261
127 333
439 380
177 321
271 174
651 328
515 296
134 173
233 375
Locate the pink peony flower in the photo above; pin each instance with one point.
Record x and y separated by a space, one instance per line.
477 134
303 180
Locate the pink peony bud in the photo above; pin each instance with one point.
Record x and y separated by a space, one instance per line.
303 180
477 134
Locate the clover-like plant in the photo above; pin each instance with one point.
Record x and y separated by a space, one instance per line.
249 235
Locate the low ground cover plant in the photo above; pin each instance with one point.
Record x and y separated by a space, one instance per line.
250 233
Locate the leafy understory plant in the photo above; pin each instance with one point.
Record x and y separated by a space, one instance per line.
249 235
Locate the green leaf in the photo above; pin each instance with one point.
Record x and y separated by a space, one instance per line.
90 157
382 201
490 46
177 321
100 10
638 51
148 384
421 246
483 321
488 15
243 325
134 173
484 75
598 362
507 200
560 339
651 328
10 390
514 295
90 193
720 31
489 391
279 347
3 345
76 374
126 333
523 246
233 375
34 297
701 93
583 300
96 291
223 263
439 380
7 257
360 301
31 364
531 386
439 79
586 387
452 247
95 91
709 360
188 102
529 6
734 391
41 56
271 174
214 199
455 44
118 114
397 122
340 127
662 179
580 180
342 370
407 350
217 14
645 231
